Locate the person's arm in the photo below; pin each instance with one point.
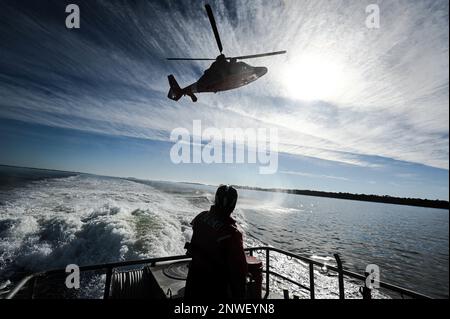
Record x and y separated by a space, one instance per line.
237 265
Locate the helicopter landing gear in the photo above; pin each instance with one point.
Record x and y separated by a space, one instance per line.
193 97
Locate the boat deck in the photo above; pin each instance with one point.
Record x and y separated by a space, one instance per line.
160 278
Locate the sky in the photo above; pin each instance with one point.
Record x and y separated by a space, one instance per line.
357 110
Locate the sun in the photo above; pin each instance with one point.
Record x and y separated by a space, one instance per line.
313 77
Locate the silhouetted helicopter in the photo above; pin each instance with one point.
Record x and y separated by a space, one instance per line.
224 74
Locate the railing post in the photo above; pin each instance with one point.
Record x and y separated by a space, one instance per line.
33 287
266 295
107 283
311 280
365 291
340 277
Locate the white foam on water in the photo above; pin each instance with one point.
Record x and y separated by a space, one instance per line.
87 220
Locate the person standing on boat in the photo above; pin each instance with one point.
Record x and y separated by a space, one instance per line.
218 269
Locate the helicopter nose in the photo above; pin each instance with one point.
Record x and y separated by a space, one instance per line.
261 70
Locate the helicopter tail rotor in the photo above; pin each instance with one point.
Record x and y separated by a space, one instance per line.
175 92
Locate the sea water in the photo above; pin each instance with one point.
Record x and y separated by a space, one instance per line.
50 220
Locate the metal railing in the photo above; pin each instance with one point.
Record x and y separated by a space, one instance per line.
108 269
339 270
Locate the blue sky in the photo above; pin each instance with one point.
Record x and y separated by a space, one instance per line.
358 110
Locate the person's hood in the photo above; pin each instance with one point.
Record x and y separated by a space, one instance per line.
221 215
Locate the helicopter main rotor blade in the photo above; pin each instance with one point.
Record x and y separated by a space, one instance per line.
214 26
257 55
242 57
190 59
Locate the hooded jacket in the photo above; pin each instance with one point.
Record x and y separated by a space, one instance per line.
219 267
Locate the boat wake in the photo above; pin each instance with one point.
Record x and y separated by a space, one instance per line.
86 220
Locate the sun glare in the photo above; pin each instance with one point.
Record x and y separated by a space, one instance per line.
313 78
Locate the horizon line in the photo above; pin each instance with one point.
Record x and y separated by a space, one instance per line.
238 186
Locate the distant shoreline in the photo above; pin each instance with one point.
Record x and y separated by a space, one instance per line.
417 202
386 199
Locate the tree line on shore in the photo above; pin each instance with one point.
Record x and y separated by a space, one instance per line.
360 197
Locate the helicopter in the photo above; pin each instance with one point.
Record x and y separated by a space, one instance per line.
225 73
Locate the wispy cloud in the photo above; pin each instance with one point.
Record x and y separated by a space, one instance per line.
314 175
384 92
407 176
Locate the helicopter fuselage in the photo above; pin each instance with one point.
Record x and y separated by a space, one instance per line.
221 76
224 76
